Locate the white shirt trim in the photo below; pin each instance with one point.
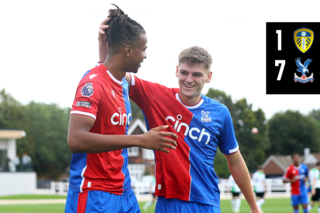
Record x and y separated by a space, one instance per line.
84 113
189 107
82 182
113 78
234 150
133 82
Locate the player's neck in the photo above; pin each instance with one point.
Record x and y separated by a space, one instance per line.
114 65
190 101
296 164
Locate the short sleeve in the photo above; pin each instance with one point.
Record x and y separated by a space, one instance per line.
228 143
87 100
287 174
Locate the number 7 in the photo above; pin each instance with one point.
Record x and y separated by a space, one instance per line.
282 62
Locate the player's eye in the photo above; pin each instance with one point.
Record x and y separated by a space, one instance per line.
197 75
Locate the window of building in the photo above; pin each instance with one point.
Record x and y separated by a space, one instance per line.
148 154
136 170
133 151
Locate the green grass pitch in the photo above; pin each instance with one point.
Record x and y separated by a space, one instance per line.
271 205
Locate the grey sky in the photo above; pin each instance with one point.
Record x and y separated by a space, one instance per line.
46 46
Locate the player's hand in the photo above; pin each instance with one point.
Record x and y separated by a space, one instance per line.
102 27
157 140
313 192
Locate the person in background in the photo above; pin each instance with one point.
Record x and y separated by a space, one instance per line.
314 177
235 190
297 174
152 191
259 182
26 162
17 162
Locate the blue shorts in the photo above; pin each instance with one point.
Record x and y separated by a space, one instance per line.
177 206
299 199
99 201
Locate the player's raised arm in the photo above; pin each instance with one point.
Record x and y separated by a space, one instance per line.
239 171
81 140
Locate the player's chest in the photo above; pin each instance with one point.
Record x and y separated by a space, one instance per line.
115 108
194 129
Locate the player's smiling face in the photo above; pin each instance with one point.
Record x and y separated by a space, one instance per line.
191 81
137 54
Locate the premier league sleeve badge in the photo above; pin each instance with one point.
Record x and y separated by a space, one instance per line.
87 90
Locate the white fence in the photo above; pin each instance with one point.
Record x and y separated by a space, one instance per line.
274 187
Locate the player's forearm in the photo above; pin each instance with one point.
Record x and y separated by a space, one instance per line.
103 48
88 142
240 173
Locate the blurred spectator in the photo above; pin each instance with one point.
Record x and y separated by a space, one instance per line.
9 165
17 163
152 191
6 165
26 162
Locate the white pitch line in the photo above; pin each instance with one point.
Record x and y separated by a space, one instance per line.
39 201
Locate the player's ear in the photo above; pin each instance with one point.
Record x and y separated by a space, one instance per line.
177 71
209 77
127 51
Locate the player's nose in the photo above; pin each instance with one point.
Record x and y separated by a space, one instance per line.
189 78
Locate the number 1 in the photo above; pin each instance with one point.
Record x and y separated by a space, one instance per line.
279 39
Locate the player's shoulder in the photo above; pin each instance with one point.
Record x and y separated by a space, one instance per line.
214 104
93 76
290 167
135 79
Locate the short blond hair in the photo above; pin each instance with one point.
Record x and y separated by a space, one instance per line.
196 55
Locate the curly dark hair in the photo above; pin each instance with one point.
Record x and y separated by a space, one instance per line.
122 30
196 55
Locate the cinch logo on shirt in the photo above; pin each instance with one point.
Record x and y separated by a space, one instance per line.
121 118
189 132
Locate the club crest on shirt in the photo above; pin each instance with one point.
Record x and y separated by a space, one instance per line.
205 116
87 90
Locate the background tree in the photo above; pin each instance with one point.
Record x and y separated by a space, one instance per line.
11 111
136 111
252 146
292 132
315 114
46 126
46 140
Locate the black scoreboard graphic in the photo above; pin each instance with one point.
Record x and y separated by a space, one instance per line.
293 58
